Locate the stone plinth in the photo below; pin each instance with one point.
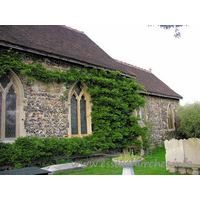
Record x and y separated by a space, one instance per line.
127 166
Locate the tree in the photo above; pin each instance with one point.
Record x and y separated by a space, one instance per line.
177 32
189 120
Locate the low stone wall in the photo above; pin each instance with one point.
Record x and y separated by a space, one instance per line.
183 156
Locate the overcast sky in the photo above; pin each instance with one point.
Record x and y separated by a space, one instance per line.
115 28
121 29
173 60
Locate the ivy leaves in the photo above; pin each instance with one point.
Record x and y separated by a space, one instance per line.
113 96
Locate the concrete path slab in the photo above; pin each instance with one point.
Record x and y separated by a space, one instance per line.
64 167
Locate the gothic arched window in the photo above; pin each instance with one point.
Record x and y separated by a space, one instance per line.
170 116
80 108
11 107
8 108
141 113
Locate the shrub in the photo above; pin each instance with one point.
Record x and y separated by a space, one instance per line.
28 150
6 151
189 120
113 98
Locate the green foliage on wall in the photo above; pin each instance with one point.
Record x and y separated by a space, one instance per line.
113 96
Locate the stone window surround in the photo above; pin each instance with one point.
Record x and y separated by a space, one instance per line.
20 103
88 110
140 114
173 116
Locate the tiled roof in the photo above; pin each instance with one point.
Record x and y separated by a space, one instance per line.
69 43
152 84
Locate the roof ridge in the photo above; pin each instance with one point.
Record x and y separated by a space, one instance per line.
149 71
72 29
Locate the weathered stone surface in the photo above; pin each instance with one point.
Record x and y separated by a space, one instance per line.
174 151
141 123
183 155
182 170
42 89
141 150
64 167
195 171
192 150
34 88
189 171
156 111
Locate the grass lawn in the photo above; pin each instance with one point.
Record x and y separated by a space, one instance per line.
152 165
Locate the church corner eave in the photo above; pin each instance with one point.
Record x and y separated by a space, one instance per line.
161 95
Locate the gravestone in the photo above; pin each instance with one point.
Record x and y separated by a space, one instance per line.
174 154
192 150
64 167
183 155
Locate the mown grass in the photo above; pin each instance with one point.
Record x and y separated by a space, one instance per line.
152 165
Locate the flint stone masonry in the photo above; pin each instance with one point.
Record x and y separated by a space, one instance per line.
47 113
156 112
183 155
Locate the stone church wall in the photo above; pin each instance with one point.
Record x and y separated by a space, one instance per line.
47 112
156 111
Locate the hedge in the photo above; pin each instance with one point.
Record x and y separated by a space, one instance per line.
29 150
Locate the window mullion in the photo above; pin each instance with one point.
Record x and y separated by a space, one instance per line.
78 116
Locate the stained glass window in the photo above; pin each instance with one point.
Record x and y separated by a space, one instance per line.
83 116
74 119
170 118
11 108
4 80
78 111
10 115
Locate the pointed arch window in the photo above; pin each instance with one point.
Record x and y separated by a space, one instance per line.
8 108
80 108
141 113
12 115
170 116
